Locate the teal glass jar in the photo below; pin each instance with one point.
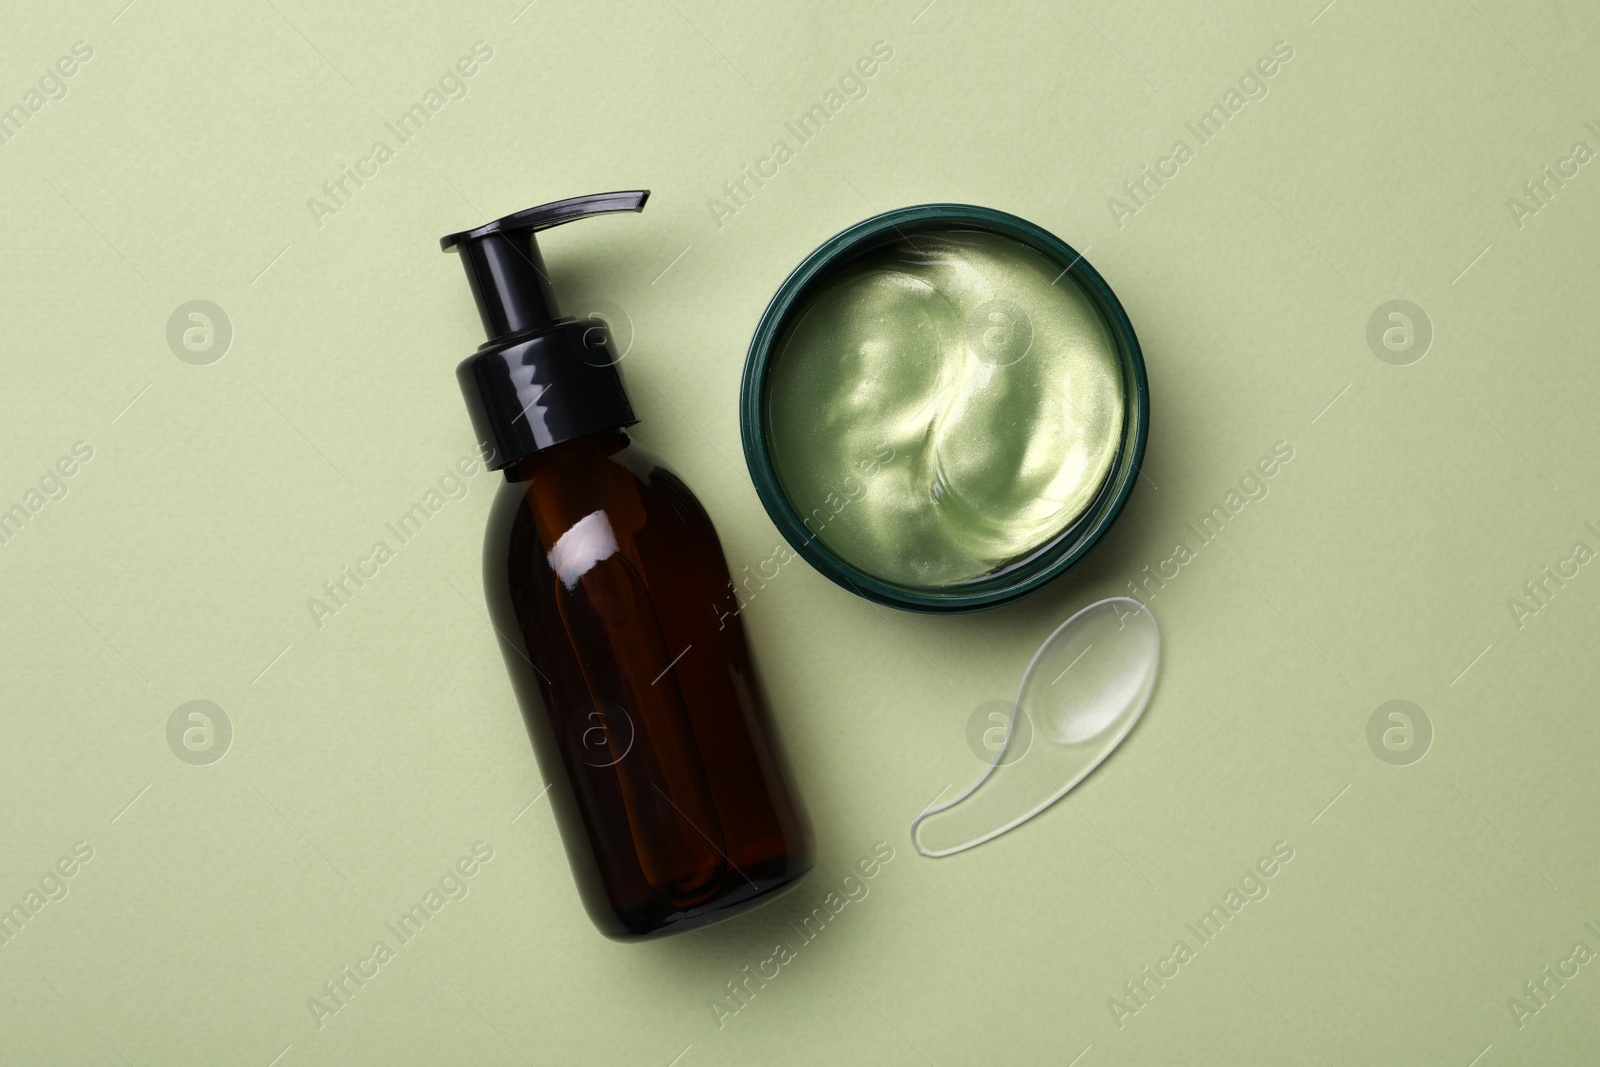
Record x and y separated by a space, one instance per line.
944 407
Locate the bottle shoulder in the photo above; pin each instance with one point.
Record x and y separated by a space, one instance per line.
638 495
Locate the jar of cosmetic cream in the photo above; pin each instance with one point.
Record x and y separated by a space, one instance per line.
943 408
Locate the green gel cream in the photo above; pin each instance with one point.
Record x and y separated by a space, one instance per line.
944 406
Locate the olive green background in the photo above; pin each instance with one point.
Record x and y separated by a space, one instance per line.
367 755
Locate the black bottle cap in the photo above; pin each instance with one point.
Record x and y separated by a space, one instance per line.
539 379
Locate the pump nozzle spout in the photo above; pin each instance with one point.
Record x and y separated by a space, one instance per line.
545 216
504 267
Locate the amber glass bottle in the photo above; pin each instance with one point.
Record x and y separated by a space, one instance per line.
608 587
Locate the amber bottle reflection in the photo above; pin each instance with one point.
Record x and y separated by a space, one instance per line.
612 597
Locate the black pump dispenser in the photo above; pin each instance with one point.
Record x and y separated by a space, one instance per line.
539 379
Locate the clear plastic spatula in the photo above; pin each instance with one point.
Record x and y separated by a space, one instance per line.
1084 690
